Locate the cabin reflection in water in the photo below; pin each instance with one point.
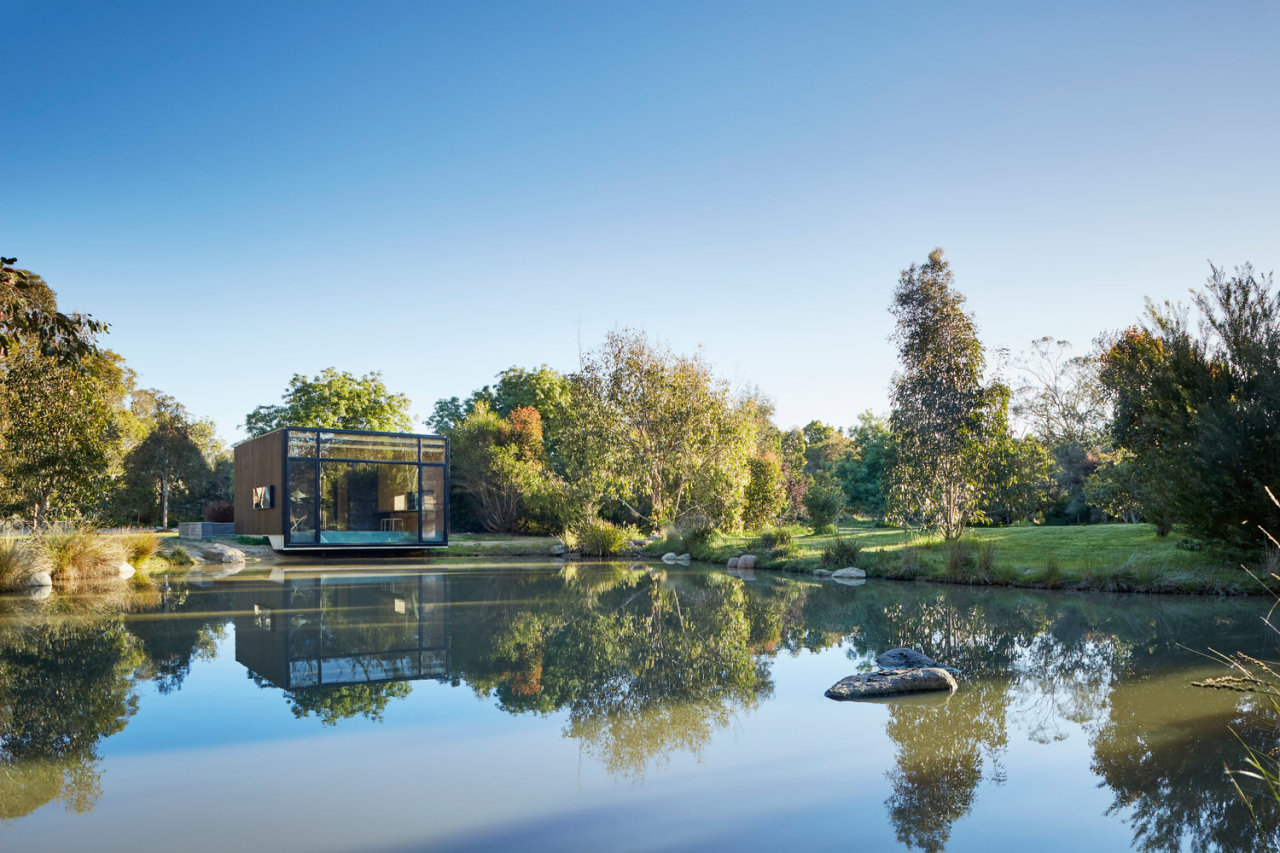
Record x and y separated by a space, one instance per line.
313 630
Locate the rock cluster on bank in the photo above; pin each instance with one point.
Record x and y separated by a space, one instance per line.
903 671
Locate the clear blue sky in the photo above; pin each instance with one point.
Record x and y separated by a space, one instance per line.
439 190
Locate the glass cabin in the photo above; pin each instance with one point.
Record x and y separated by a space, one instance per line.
309 488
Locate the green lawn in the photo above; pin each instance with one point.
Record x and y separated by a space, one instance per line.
1117 557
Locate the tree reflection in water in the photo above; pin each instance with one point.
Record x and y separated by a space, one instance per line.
646 663
66 682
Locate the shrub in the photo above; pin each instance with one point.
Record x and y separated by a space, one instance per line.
824 502
987 556
844 552
179 557
220 512
765 496
599 538
777 537
78 553
15 562
958 553
138 547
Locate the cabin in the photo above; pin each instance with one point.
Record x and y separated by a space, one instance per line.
309 489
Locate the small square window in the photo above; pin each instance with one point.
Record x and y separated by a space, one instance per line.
264 497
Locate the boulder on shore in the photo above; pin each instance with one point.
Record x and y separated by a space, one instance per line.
890 682
36 580
849 581
684 559
822 573
850 573
219 553
747 561
733 563
559 549
126 571
669 557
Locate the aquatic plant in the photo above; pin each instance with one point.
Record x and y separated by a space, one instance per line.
138 547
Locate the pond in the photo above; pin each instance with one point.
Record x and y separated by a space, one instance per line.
475 706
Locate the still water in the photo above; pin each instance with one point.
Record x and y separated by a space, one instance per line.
468 706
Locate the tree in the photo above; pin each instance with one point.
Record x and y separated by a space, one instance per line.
338 400
1022 485
824 502
658 432
766 495
862 470
169 459
61 434
943 417
1060 396
1116 487
499 462
1199 406
29 313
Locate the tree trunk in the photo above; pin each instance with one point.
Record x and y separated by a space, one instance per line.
164 502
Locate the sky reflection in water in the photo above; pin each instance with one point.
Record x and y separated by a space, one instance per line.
590 706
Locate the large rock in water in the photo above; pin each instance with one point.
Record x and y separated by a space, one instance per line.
890 682
747 561
908 658
850 573
220 553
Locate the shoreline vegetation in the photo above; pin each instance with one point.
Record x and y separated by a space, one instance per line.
1094 558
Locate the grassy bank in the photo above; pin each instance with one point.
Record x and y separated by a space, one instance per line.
496 545
1112 557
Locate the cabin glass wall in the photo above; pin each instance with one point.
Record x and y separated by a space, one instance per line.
433 503
372 503
302 501
386 448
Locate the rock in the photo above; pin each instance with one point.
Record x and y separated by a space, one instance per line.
733 562
669 557
684 559
889 682
909 659
125 570
822 573
747 561
559 550
849 581
39 579
851 574
220 553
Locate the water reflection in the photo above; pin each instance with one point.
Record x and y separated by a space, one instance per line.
644 663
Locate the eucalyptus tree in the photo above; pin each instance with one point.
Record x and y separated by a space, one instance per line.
29 313
658 432
169 462
943 417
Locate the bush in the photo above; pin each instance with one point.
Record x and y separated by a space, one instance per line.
179 557
986 556
138 547
77 553
824 503
777 537
958 553
842 552
220 512
599 538
15 562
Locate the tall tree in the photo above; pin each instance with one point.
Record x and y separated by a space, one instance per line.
169 461
61 433
1199 405
1059 396
943 416
659 432
29 313
335 399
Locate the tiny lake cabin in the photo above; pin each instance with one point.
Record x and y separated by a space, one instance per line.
321 489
